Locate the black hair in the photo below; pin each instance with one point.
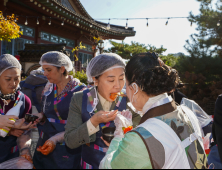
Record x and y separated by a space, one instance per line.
144 69
65 73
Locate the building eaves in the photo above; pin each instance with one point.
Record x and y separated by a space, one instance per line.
85 23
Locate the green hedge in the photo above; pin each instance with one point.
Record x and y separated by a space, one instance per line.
81 75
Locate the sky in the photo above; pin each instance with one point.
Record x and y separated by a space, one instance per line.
172 36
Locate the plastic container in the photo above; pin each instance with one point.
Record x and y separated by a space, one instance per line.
15 111
16 163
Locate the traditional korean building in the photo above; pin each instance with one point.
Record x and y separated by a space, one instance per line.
57 22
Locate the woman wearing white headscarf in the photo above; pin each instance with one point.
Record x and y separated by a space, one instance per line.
91 110
10 95
52 152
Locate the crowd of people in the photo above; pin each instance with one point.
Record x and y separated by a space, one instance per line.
124 118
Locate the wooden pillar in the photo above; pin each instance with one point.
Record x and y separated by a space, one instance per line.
3 5
0 47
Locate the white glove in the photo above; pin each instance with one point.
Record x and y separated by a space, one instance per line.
122 121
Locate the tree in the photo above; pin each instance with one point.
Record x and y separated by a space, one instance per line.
126 51
8 28
208 42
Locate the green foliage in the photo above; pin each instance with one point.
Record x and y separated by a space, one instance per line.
169 60
209 67
208 42
126 51
81 76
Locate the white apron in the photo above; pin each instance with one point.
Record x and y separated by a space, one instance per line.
175 154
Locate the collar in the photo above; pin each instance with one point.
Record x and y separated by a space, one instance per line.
103 100
153 102
159 108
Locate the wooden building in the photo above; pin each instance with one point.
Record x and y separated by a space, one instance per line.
57 21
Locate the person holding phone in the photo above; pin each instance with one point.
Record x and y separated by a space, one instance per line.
10 95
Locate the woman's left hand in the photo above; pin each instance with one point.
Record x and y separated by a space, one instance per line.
16 132
127 114
107 144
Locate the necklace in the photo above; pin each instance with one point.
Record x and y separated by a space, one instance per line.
16 102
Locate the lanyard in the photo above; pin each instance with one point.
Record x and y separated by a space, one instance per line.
56 101
16 102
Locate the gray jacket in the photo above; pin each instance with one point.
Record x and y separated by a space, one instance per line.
76 132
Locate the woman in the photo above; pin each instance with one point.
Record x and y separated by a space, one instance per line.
168 136
215 155
91 109
10 95
52 152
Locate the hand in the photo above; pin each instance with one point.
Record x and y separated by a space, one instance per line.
40 115
106 143
120 122
27 157
127 114
5 123
16 132
103 117
20 124
47 148
26 154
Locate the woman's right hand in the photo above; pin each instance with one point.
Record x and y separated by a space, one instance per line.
5 123
40 115
103 117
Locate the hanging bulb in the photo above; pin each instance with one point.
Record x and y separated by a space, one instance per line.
126 24
167 22
191 24
26 21
218 24
62 23
77 24
37 21
147 23
15 18
91 25
6 17
108 26
50 21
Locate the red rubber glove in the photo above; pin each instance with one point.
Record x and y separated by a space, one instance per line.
47 148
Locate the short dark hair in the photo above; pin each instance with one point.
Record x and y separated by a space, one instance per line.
152 78
65 73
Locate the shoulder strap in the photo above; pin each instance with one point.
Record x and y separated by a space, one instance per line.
170 141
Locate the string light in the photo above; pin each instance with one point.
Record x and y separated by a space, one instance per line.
62 23
126 24
191 23
167 22
37 21
50 21
147 23
108 26
77 24
26 21
218 23
15 20
6 17
91 25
